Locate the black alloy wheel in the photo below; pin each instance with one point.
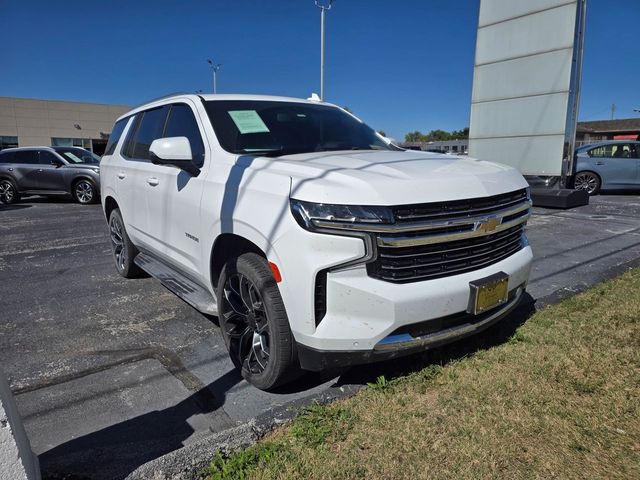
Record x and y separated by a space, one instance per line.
254 322
124 252
246 324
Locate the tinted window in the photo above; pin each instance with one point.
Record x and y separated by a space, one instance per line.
26 156
150 128
182 123
78 155
127 148
280 128
7 157
615 150
46 158
116 133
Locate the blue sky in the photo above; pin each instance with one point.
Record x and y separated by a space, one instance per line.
400 65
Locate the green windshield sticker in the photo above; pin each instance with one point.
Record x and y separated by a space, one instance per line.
248 121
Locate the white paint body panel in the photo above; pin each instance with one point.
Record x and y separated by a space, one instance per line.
250 197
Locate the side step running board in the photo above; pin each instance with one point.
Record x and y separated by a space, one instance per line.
188 290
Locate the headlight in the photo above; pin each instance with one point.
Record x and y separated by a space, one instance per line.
322 215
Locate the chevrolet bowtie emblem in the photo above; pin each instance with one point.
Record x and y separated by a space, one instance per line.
488 224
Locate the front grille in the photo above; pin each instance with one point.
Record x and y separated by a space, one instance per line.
453 243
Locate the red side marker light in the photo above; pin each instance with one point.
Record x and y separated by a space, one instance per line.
276 272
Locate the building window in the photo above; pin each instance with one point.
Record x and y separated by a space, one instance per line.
71 142
8 142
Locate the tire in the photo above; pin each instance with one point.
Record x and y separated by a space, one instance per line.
124 252
589 181
84 192
254 322
8 192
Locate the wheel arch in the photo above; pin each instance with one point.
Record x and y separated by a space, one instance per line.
229 245
110 205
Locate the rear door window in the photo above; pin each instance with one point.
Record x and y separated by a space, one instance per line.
26 157
150 127
7 157
182 123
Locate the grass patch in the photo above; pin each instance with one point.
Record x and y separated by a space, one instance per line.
559 399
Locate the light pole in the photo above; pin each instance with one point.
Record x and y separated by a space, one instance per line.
323 10
215 67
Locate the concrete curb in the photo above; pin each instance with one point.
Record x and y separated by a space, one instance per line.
17 461
187 462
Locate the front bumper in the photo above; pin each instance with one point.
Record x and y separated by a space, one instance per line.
401 344
362 311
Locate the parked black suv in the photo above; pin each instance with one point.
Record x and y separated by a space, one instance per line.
49 171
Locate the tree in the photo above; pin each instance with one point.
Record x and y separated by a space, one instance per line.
415 136
382 132
437 135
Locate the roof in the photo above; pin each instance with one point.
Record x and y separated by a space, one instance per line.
621 125
219 96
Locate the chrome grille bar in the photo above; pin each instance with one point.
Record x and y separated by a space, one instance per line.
411 241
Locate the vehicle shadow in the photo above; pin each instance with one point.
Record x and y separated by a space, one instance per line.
116 451
14 206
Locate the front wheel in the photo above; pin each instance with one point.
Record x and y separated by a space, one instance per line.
84 192
8 192
588 181
254 322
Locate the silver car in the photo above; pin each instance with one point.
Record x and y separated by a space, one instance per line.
611 165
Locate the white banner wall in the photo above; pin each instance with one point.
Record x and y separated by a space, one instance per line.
521 83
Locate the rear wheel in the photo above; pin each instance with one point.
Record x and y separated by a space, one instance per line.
84 192
123 250
254 322
8 192
588 181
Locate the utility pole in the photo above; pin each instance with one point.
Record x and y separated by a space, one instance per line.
323 10
215 67
613 110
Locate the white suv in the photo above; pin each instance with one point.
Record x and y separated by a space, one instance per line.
315 241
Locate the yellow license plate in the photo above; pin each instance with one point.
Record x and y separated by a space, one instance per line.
488 293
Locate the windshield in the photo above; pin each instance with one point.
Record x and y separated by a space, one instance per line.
272 128
78 155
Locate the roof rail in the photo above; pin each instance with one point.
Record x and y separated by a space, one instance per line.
174 94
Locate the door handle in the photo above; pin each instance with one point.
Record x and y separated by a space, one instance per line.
153 181
39 169
599 163
10 169
121 176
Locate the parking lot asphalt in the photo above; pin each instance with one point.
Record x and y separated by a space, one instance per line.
110 373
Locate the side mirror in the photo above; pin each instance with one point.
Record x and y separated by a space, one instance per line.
56 163
174 151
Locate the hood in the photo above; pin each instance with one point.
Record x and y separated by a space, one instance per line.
391 177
